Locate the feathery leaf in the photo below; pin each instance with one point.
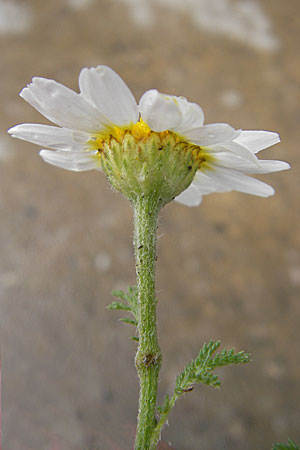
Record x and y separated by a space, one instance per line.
291 445
129 303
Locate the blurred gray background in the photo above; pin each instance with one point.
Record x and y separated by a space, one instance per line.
229 269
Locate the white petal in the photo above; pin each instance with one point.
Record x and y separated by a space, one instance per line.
228 180
192 115
190 197
269 166
232 161
80 137
63 106
77 161
207 185
104 88
211 134
47 136
161 112
235 148
257 140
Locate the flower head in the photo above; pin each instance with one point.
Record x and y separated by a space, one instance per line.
160 144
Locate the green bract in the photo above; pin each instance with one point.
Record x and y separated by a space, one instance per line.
159 163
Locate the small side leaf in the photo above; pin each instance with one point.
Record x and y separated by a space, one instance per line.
291 445
119 306
129 303
164 409
200 370
131 296
130 321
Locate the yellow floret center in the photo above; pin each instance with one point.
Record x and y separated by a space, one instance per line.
141 132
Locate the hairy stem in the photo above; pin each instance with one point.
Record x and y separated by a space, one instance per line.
148 357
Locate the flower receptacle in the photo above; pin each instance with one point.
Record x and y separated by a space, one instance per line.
159 164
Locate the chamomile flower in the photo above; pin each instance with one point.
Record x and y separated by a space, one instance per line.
160 144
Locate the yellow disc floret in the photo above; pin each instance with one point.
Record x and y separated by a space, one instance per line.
140 130
118 133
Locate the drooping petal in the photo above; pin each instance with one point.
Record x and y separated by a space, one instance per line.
190 197
211 134
231 180
232 147
269 166
192 115
207 185
63 106
257 140
232 161
103 87
77 161
161 112
47 136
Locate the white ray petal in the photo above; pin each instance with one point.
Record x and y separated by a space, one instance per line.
160 111
63 106
104 88
269 166
257 140
232 161
207 185
48 136
192 115
211 134
234 180
234 148
77 161
190 197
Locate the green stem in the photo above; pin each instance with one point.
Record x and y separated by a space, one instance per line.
148 357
